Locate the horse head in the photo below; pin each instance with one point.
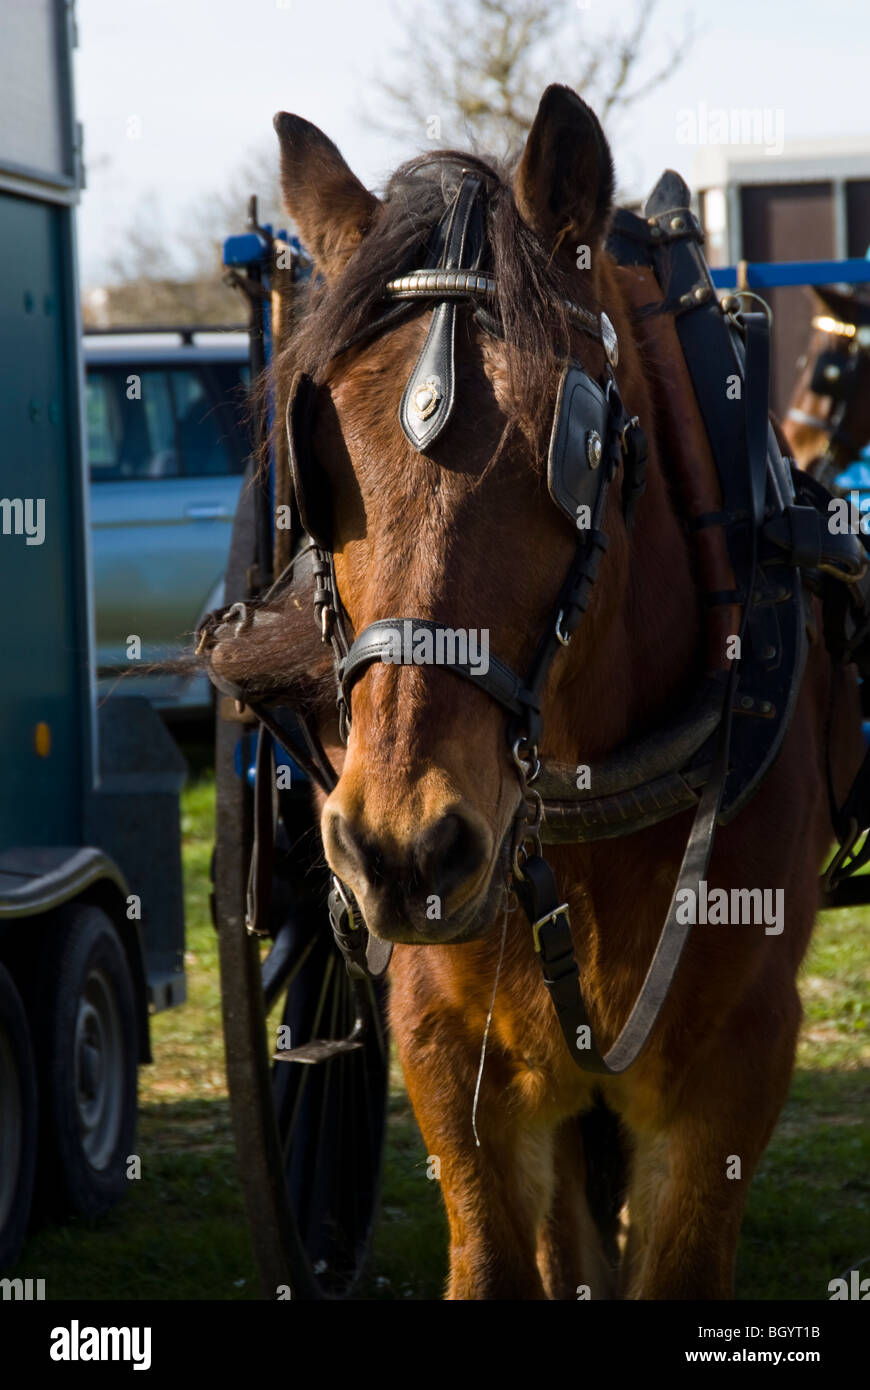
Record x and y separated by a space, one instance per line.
828 418
458 531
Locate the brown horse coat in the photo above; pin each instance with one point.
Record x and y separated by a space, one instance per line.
467 535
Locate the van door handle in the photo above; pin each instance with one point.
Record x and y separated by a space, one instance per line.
206 511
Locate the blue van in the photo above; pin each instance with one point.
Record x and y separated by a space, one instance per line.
168 442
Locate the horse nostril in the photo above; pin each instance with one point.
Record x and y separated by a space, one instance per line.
448 851
350 850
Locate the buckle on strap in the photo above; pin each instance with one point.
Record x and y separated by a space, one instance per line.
561 911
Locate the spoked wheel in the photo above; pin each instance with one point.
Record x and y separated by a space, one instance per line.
309 1136
331 1120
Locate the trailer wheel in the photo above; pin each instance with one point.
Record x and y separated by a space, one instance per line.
18 1122
87 1054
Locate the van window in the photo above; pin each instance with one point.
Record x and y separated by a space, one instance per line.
166 422
100 409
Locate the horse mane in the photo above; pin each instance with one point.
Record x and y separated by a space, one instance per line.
532 287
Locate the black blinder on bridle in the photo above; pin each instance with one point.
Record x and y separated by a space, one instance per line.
577 442
310 485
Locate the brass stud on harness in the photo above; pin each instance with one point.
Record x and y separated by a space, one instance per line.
593 448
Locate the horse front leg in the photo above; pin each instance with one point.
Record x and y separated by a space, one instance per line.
690 1179
497 1195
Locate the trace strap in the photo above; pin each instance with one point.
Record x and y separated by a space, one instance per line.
551 928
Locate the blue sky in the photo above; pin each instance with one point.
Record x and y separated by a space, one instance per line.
204 78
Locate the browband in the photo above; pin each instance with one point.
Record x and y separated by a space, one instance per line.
463 284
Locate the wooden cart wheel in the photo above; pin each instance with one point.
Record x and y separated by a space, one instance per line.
309 1137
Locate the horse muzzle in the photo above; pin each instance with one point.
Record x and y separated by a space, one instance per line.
431 886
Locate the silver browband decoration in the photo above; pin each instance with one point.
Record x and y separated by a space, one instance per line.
460 284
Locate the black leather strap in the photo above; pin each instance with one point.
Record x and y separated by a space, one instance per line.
365 956
429 395
552 930
391 640
259 892
537 889
756 389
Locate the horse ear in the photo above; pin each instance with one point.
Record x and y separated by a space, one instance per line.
323 196
563 185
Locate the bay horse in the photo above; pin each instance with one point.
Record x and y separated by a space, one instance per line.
464 532
827 421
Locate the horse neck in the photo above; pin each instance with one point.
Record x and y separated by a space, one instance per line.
641 651
661 607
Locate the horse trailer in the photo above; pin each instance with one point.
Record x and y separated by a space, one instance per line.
91 914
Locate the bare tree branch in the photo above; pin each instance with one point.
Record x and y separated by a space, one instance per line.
477 72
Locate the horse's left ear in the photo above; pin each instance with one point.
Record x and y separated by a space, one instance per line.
563 186
322 194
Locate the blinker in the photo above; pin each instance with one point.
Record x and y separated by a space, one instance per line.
579 426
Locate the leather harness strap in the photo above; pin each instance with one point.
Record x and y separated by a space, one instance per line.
536 888
395 642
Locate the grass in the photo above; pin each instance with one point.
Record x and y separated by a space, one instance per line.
181 1233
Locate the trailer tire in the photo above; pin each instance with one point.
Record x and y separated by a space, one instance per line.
87 1055
18 1122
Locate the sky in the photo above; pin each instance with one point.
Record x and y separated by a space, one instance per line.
175 94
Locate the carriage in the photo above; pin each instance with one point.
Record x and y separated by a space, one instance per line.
304 1019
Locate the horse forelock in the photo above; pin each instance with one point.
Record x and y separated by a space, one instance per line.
532 285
